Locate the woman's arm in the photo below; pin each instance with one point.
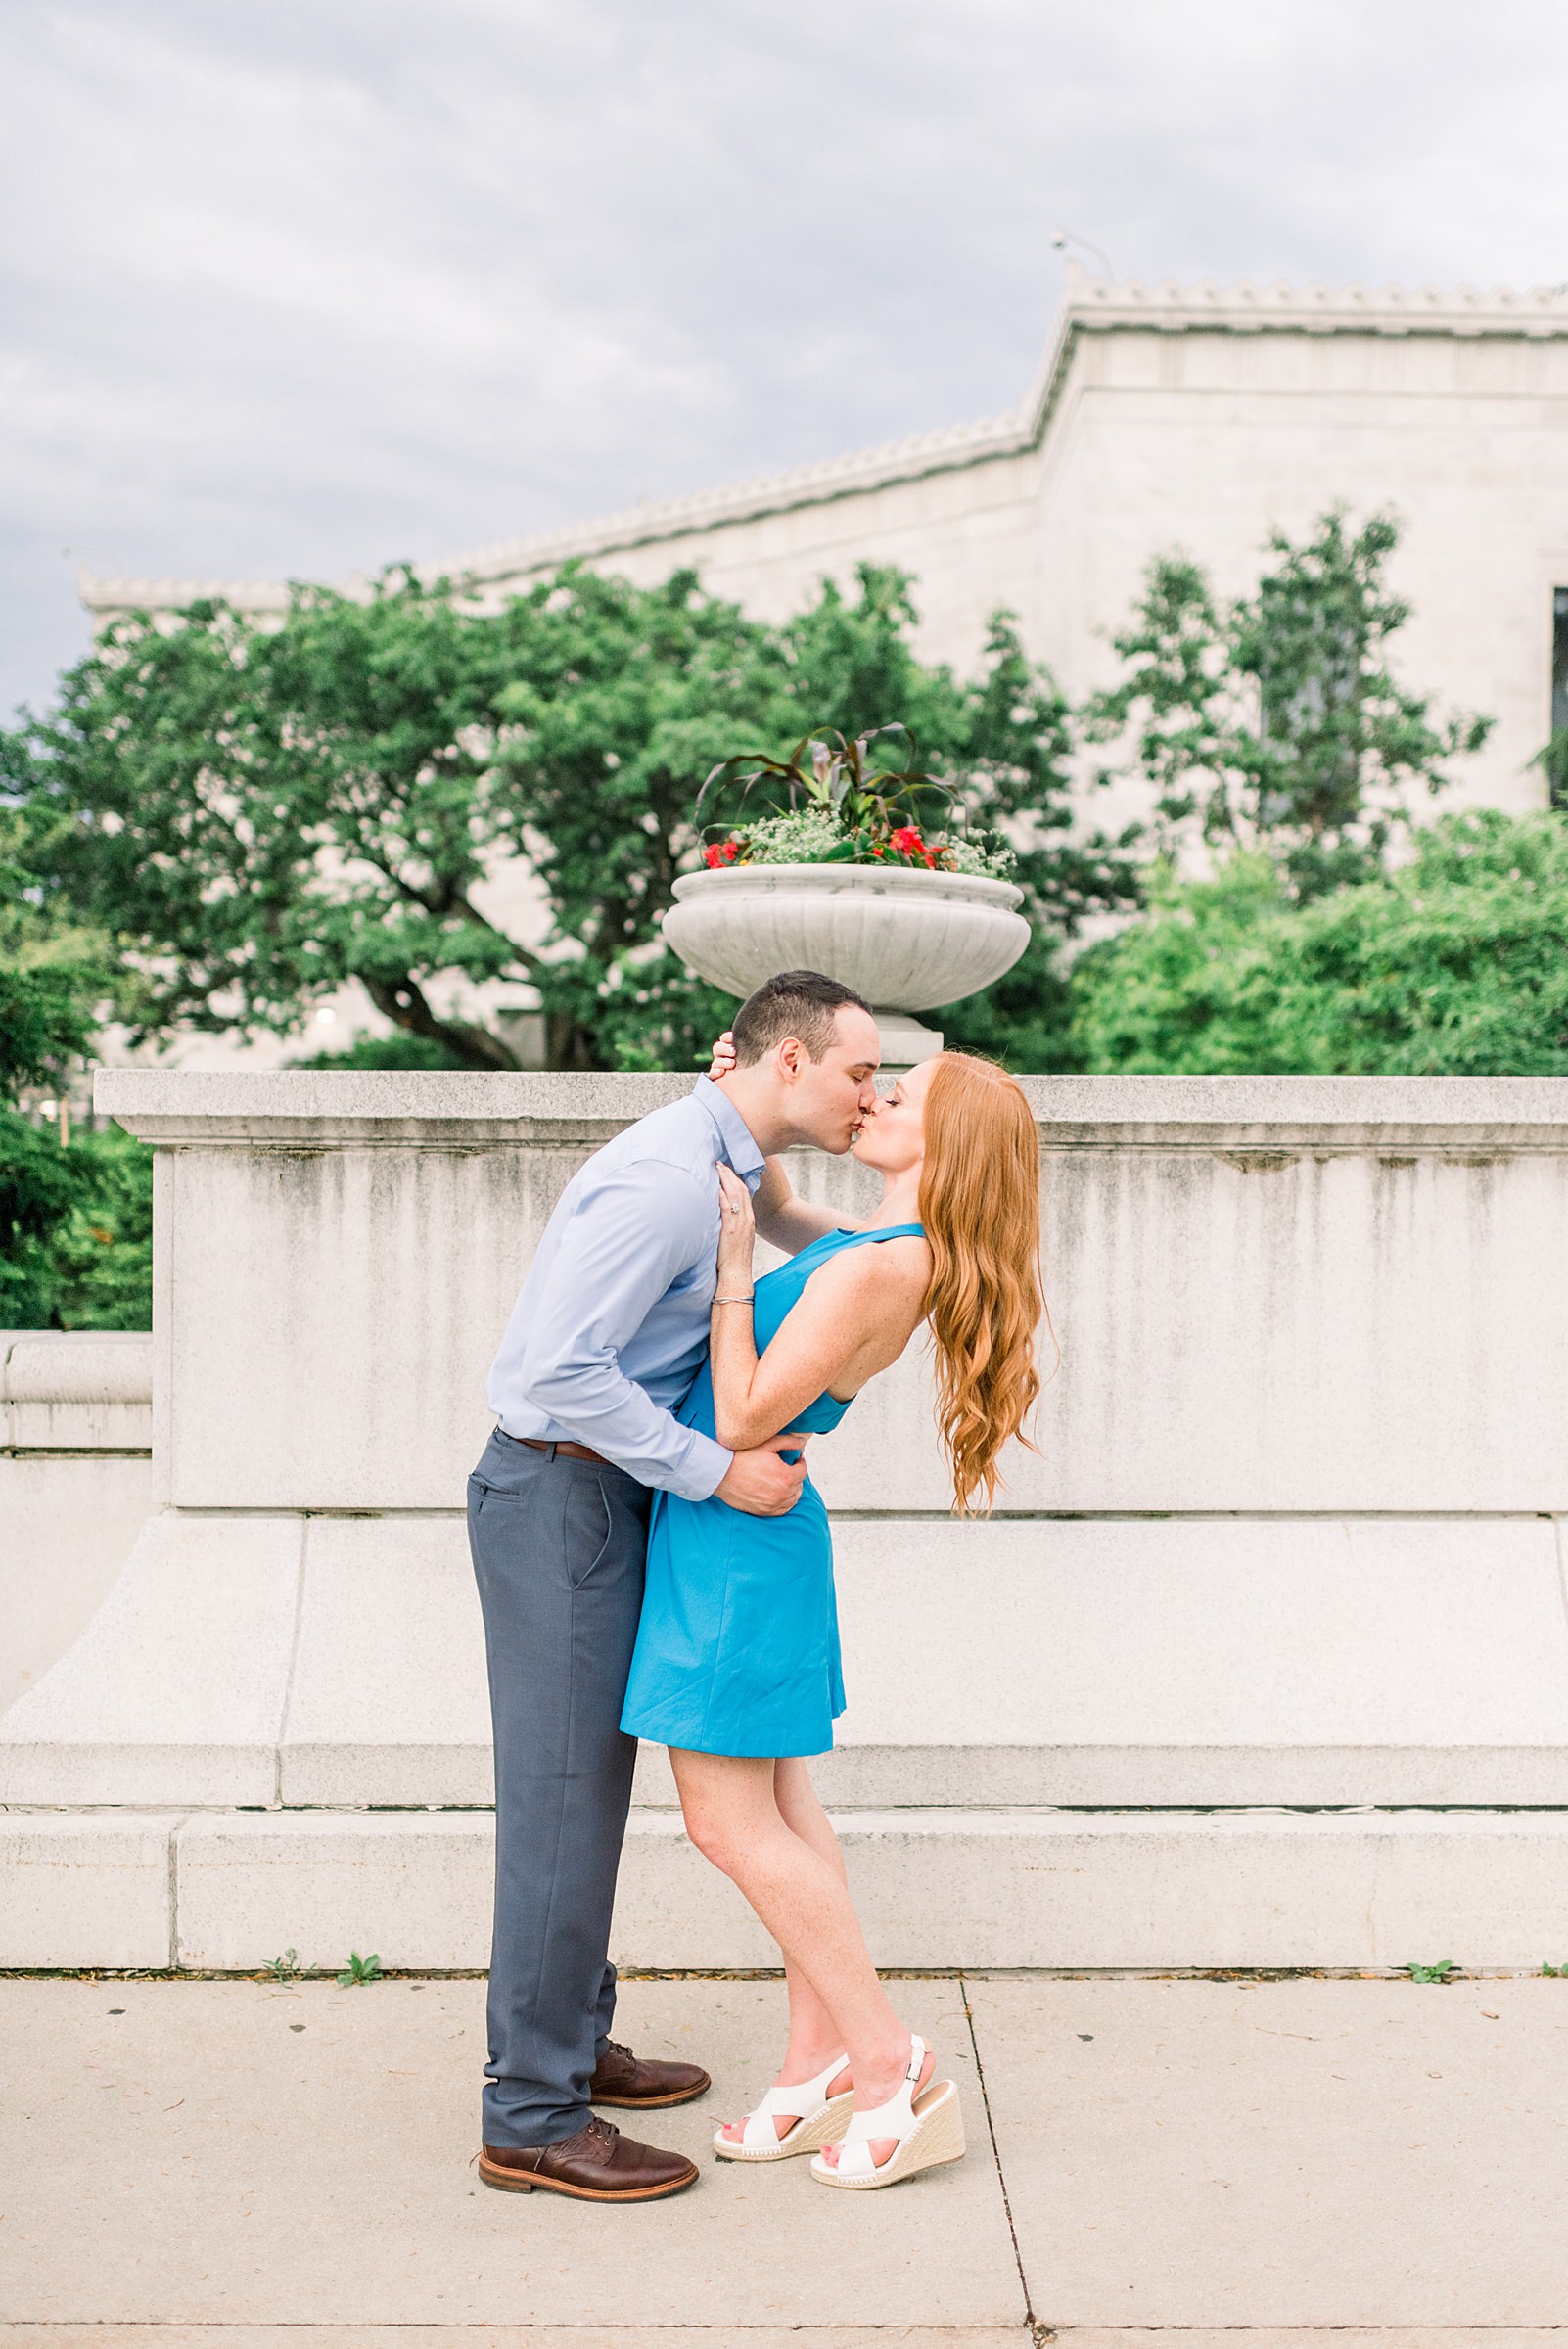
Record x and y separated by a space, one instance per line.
784 1221
731 1337
854 1318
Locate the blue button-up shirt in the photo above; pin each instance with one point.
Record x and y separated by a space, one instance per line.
611 1323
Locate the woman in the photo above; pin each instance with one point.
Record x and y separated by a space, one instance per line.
736 1666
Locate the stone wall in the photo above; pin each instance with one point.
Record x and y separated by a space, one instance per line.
1262 1660
76 1485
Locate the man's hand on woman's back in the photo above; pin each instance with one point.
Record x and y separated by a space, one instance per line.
760 1483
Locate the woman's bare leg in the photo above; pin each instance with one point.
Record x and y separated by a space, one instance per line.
814 2040
800 1810
794 1881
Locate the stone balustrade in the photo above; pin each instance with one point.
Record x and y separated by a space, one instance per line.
1262 1660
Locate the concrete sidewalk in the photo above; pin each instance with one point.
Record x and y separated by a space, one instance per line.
1174 2165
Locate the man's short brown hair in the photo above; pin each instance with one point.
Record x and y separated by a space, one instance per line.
798 1003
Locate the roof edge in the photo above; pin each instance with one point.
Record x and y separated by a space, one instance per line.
1088 306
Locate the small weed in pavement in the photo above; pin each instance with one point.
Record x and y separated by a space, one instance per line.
1443 1971
284 1969
359 1970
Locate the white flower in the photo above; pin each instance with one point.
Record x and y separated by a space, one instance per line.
809 835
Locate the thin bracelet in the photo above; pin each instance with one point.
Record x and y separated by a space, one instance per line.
746 1300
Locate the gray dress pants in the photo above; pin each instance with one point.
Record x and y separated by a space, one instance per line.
559 1548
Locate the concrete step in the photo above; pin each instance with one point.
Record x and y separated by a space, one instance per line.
254 1659
937 1887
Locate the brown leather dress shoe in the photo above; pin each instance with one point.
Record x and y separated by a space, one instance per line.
621 2078
597 2165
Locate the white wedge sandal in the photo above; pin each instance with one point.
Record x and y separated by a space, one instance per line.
929 2128
818 2125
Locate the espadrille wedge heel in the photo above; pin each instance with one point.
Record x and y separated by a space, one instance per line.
929 2128
822 2116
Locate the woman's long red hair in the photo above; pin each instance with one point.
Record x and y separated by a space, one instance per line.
979 1205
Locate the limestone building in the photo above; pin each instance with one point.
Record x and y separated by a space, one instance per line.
1171 417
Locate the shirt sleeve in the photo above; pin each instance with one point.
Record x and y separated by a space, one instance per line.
632 1236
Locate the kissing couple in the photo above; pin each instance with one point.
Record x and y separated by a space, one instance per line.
654 1561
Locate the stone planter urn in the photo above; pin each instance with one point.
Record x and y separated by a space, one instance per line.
904 938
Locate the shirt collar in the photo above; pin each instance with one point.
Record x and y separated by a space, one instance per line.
739 1147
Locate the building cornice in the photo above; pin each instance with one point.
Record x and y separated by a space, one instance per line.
1090 307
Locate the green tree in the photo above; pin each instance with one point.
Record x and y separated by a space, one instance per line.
45 1021
1275 723
1455 964
261 815
1185 990
38 1179
75 1224
99 1272
1553 761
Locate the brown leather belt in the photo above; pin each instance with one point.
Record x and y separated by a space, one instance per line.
567 1452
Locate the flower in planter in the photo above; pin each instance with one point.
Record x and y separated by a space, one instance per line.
907 842
842 809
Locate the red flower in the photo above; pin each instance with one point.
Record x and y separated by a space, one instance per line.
907 841
721 851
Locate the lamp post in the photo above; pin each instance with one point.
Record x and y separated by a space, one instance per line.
1064 236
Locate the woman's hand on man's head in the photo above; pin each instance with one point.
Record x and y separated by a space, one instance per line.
723 1060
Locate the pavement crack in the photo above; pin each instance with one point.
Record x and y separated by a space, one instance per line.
1039 2331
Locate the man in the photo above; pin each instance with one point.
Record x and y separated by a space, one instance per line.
601 1349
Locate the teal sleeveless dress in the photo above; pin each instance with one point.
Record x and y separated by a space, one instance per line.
738 1647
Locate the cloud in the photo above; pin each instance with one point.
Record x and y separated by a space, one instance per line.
298 290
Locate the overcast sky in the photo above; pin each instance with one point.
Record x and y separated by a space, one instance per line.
292 287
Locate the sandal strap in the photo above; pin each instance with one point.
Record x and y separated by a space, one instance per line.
895 2118
801 2100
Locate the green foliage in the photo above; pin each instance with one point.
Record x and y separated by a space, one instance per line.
835 802
1442 1972
653 1013
1024 1020
51 972
84 1259
1186 989
861 787
1274 724
257 815
101 1258
260 815
398 1050
44 1023
359 1972
37 1192
74 1223
284 1969
1455 964
1552 762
